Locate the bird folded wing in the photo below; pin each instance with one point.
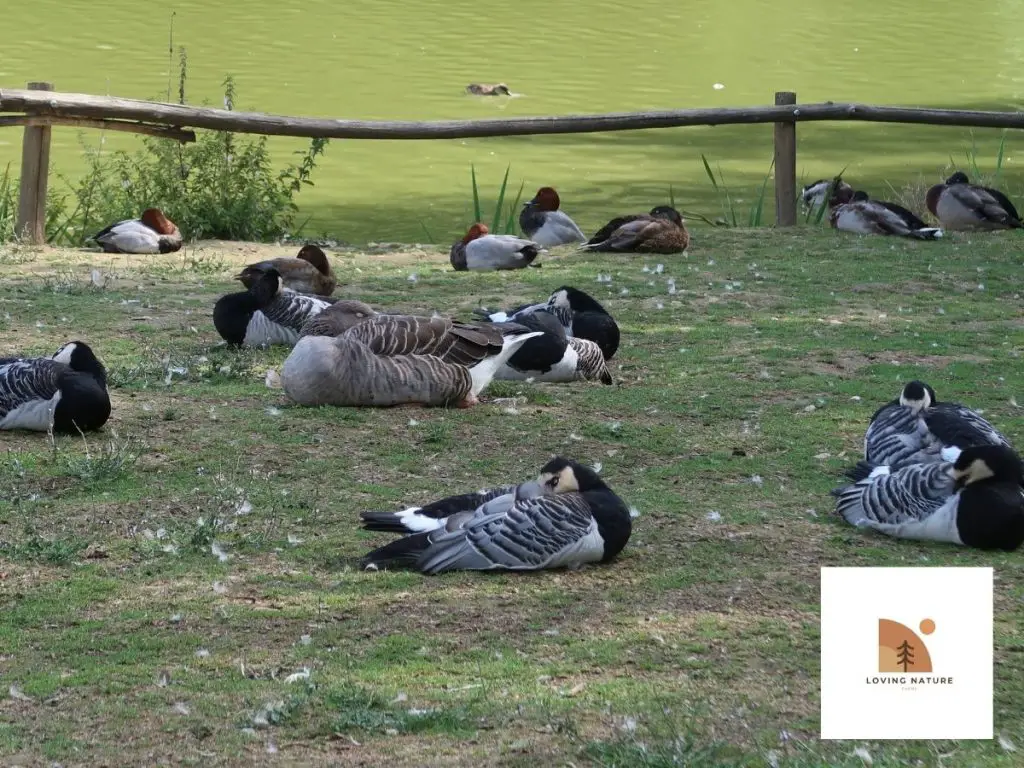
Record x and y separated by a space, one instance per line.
22 381
532 534
911 494
955 424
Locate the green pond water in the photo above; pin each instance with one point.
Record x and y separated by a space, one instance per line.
379 59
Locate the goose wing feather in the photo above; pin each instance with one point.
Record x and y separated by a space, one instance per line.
25 380
291 310
910 494
898 436
534 533
958 425
453 342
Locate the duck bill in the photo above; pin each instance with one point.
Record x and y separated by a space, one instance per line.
529 490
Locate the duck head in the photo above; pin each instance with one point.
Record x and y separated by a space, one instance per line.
917 396
958 178
316 257
839 193
667 212
154 219
475 231
987 462
546 199
267 286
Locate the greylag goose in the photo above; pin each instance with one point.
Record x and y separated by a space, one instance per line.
388 360
66 392
566 518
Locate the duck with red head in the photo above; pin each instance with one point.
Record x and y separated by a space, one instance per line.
854 211
543 222
150 233
479 250
960 205
309 272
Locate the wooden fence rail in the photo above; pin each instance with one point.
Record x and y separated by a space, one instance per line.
39 107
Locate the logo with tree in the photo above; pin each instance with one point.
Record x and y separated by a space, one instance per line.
901 649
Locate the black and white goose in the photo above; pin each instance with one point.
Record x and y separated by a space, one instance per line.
589 320
916 428
67 392
975 500
434 515
566 518
267 313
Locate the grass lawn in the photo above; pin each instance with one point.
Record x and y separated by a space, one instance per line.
746 377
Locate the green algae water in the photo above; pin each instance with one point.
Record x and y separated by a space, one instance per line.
412 60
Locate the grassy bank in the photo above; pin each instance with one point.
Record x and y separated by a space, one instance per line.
166 586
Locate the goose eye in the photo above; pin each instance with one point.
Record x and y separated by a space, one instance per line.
553 482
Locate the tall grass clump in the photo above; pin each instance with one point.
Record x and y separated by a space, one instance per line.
731 214
222 186
504 220
56 209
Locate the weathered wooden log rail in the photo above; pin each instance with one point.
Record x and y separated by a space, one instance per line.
39 108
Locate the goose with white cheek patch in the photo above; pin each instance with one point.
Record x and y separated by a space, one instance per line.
587 319
554 357
855 212
916 428
661 231
566 518
150 233
975 499
960 205
308 272
543 222
388 360
816 194
482 252
66 392
265 314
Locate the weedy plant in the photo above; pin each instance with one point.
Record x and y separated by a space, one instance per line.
116 456
730 213
504 220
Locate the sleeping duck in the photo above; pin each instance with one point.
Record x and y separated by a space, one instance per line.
587 320
543 222
973 499
150 233
265 314
851 211
483 252
816 194
387 360
568 517
960 205
308 272
66 392
661 231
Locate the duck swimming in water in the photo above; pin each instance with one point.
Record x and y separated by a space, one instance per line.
483 89
960 205
543 222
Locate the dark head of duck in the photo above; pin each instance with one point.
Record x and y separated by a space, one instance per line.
316 257
667 212
581 301
840 193
266 287
546 199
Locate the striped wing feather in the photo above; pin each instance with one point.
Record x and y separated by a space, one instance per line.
22 381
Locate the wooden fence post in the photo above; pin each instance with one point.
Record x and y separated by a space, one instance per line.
785 165
35 170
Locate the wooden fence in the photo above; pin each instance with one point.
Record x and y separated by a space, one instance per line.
39 108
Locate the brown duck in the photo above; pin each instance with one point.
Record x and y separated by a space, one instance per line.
308 272
660 231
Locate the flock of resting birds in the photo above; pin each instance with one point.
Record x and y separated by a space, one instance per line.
931 470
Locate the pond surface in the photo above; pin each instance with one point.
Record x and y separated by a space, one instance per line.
382 59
